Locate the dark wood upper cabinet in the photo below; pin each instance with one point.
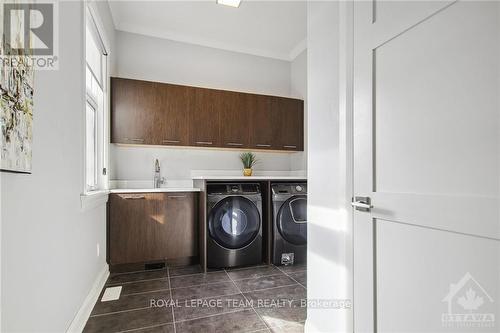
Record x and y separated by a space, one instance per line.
132 111
288 120
261 122
172 106
173 115
234 119
204 118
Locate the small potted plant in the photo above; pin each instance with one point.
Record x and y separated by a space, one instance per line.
249 160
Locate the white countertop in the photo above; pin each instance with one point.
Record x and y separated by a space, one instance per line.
155 190
229 177
238 175
186 185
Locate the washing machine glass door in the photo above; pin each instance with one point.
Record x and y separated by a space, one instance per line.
234 222
292 220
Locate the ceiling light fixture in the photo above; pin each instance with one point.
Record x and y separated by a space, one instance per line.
230 3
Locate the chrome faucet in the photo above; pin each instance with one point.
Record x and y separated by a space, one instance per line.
158 179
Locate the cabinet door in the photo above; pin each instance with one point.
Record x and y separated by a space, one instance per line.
261 122
137 227
204 118
132 111
288 119
172 106
234 119
182 234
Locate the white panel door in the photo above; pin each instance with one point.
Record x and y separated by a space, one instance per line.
427 154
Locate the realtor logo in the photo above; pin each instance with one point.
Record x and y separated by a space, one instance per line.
30 31
29 26
467 303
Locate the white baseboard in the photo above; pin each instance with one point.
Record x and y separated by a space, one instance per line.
83 313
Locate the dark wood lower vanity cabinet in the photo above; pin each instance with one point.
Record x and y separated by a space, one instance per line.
152 227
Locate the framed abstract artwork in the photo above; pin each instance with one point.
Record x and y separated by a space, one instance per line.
16 109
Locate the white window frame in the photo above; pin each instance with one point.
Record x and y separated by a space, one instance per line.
96 194
93 105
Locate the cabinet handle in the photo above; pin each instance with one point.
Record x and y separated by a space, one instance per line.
204 143
176 196
234 144
262 145
291 147
137 140
171 141
135 198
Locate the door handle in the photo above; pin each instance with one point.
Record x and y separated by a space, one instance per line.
135 198
171 141
362 204
137 140
234 144
176 196
204 143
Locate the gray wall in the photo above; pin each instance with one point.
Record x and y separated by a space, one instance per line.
298 89
156 59
48 248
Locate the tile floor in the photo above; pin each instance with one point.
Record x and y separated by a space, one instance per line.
181 299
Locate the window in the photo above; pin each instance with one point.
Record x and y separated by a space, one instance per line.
91 147
95 108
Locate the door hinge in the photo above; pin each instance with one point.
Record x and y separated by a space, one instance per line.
362 204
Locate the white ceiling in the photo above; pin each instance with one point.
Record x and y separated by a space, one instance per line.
275 29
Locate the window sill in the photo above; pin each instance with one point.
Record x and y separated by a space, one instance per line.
93 199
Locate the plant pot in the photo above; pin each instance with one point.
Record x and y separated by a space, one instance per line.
247 172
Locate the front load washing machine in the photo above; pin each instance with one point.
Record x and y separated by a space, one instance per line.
289 223
234 230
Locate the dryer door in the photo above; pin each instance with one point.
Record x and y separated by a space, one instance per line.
234 222
292 220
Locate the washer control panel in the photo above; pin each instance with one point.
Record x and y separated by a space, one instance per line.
241 188
289 188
